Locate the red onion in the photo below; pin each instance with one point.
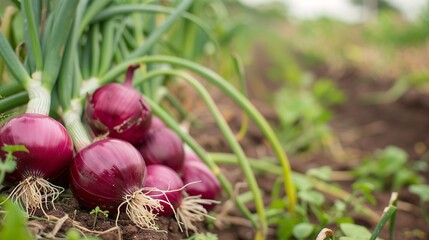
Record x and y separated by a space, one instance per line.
205 182
162 146
156 179
119 111
50 150
165 184
157 123
110 173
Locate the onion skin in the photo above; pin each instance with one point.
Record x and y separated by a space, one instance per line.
164 178
163 146
118 111
104 172
205 182
50 148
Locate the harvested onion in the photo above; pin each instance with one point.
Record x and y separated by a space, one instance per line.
111 173
205 182
162 146
50 150
119 111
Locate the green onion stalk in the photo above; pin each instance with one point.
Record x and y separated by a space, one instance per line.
97 70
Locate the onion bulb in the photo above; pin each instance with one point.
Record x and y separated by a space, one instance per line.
170 200
162 146
205 182
157 123
165 185
111 173
50 150
119 111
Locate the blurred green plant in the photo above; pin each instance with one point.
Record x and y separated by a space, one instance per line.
14 223
314 211
422 190
304 113
8 164
392 30
203 236
388 169
73 234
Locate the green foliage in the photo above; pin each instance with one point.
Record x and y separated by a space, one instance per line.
14 224
367 190
421 190
73 234
97 210
304 114
392 30
388 168
303 230
323 173
203 236
355 232
8 164
314 212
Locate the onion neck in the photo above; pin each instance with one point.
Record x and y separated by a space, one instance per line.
89 86
40 97
76 129
130 75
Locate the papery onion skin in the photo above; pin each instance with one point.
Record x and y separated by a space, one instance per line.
204 182
104 172
163 146
118 111
164 178
49 146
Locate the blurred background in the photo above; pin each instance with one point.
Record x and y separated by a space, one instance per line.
314 63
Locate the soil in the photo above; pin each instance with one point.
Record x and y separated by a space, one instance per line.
360 128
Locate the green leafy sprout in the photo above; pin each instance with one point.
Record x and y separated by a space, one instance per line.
9 164
97 210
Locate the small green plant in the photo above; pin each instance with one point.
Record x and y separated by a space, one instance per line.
422 190
203 236
313 205
388 168
73 234
354 232
14 223
97 210
304 114
8 164
13 226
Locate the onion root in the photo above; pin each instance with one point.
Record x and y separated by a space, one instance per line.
34 192
192 210
139 208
